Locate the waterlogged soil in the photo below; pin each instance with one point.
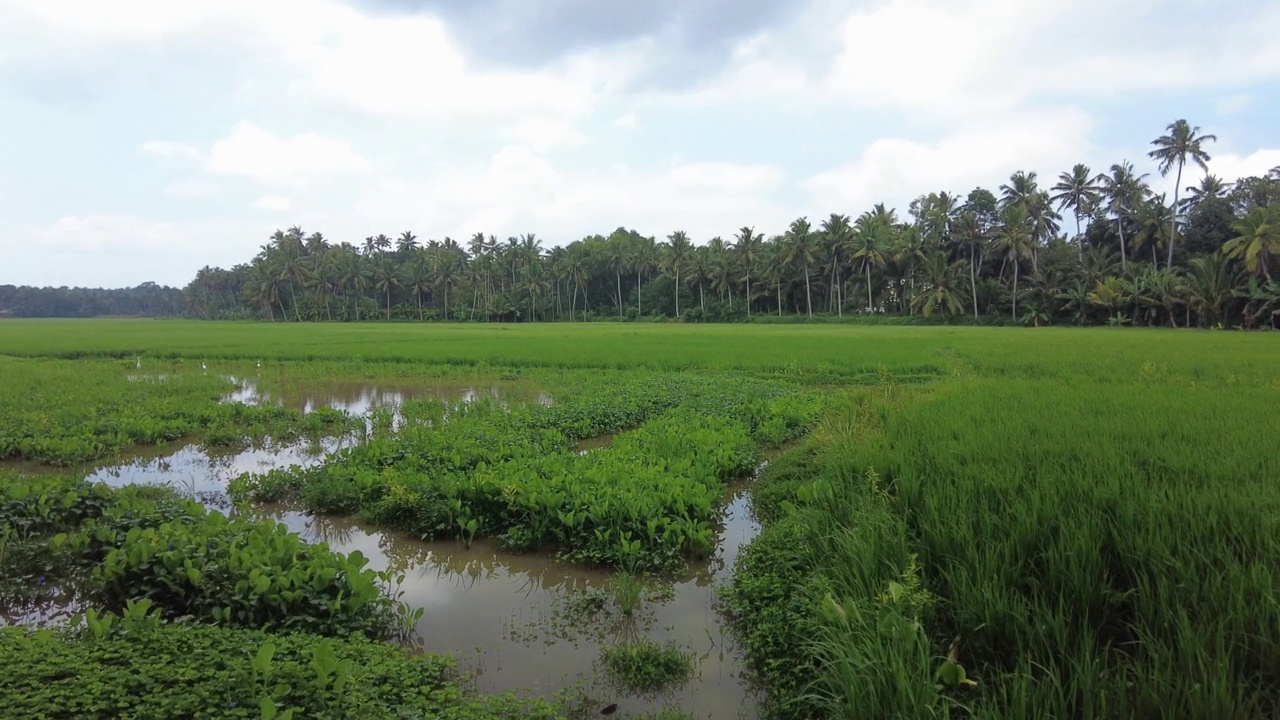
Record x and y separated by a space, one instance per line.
523 622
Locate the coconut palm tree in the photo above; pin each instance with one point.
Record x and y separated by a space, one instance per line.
675 256
700 270
798 243
837 232
1183 143
1124 191
971 236
406 244
385 279
1209 287
1211 186
1015 242
937 289
748 247
1257 241
417 279
870 244
353 276
1152 220
1078 190
642 258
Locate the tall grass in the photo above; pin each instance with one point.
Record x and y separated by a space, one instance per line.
1087 550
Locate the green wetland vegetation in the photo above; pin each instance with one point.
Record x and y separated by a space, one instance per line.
249 520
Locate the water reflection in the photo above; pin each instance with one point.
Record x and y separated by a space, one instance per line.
510 608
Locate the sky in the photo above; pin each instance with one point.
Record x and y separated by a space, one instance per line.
140 140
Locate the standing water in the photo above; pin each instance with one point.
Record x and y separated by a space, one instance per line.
523 622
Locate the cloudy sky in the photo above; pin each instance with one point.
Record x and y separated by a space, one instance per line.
142 140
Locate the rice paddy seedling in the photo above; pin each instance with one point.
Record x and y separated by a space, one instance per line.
645 666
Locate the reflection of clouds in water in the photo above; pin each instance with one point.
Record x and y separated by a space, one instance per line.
471 599
195 469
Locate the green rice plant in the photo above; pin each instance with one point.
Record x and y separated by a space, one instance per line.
627 589
647 667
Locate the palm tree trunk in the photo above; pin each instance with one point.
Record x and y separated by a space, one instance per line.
388 302
1173 220
1124 263
702 300
808 295
973 282
677 293
618 275
748 295
356 303
639 308
867 265
1015 291
294 298
419 295
779 298
1079 239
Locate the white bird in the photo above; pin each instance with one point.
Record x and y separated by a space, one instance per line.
138 364
203 366
259 364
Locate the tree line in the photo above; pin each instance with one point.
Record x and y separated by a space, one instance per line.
147 299
1085 248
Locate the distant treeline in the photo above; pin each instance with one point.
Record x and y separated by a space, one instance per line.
146 299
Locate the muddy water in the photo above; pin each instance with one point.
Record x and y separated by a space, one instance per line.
511 618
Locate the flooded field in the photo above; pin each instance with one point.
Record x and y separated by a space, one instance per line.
529 623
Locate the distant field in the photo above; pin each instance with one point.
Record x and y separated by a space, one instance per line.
1096 353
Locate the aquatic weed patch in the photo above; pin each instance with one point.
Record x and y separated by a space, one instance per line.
649 499
182 671
120 546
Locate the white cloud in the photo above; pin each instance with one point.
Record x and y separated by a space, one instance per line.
896 170
1230 166
273 203
255 153
629 121
517 191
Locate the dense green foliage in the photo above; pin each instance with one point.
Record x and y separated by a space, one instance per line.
995 257
648 499
1023 548
176 671
64 412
